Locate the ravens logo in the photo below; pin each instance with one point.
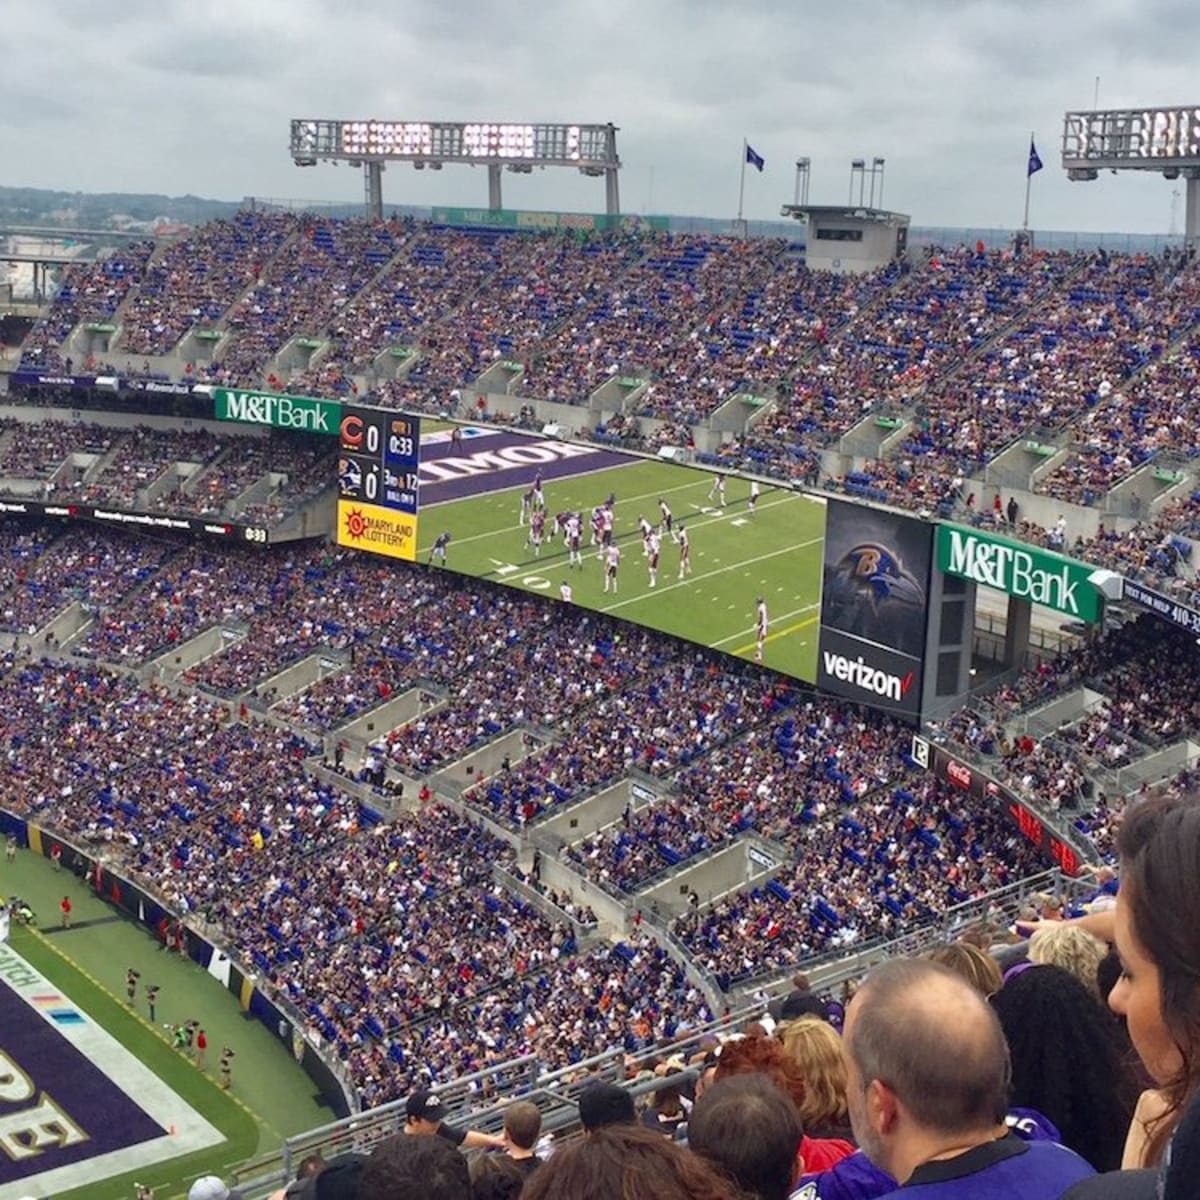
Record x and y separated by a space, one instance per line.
870 578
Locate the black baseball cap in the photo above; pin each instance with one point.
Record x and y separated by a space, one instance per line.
424 1106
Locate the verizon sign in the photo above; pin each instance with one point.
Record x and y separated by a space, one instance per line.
1027 572
861 674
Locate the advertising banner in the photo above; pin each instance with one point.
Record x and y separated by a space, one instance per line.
1027 572
307 414
966 778
379 530
254 535
1161 606
873 607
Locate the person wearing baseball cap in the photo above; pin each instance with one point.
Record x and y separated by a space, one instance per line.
424 1116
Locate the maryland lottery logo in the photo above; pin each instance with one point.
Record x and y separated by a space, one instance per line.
356 524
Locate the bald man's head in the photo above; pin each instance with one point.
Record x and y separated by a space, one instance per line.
933 1041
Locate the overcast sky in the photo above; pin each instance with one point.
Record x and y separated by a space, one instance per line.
163 96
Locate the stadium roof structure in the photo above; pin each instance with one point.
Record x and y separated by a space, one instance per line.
516 146
1161 139
848 212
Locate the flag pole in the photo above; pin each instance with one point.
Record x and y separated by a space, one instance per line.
1028 181
742 184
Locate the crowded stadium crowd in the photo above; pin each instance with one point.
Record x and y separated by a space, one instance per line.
967 351
403 943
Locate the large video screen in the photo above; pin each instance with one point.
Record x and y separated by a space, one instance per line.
712 558
873 607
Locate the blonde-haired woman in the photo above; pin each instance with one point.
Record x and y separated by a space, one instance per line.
1066 945
815 1047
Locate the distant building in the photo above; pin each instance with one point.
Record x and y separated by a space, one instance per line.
844 237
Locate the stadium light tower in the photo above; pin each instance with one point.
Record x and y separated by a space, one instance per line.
590 149
1166 140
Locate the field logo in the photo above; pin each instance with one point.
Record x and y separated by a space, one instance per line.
1025 572
506 458
860 674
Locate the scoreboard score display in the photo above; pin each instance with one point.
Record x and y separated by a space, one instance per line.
377 481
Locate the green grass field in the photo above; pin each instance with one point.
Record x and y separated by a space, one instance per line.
736 557
271 1096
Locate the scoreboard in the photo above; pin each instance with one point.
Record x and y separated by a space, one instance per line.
378 492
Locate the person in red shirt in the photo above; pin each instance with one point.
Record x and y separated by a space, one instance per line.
56 856
201 1048
66 912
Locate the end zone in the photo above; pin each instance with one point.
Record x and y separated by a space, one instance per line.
76 1107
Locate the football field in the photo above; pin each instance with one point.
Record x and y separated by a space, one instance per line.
737 555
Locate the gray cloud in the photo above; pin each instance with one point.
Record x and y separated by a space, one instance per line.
166 96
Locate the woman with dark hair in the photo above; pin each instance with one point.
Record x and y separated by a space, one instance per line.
624 1162
1157 933
1066 1061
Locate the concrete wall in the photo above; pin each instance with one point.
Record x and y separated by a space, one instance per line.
380 721
487 760
187 654
728 870
301 675
583 819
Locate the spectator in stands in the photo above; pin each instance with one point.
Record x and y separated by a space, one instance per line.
1065 945
423 1117
625 1160
928 1079
761 1055
816 1049
522 1125
602 1104
212 1187
748 1128
415 1168
974 965
1066 1061
1156 925
495 1177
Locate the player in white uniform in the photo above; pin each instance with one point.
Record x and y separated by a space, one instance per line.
667 518
654 547
565 592
574 541
762 624
539 497
717 491
754 494
606 531
526 505
647 529
537 531
612 561
685 552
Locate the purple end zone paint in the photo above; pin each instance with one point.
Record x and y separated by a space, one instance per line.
492 460
58 1079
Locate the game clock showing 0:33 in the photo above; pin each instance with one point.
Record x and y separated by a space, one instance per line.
377 481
